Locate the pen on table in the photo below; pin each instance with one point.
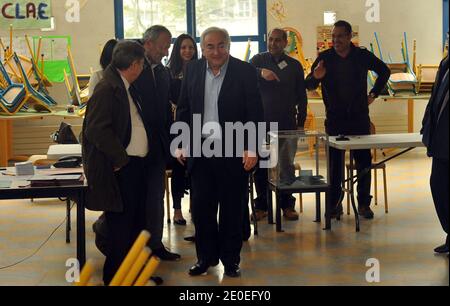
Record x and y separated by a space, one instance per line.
8 174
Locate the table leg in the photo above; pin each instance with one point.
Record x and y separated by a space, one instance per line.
328 209
278 212
352 191
68 222
269 205
81 231
318 208
5 142
410 115
252 204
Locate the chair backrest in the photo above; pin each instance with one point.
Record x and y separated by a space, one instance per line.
4 74
22 72
75 84
28 85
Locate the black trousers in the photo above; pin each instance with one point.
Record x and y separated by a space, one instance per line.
352 125
218 185
363 160
154 204
440 190
124 227
178 183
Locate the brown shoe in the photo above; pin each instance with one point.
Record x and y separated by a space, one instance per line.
260 214
290 214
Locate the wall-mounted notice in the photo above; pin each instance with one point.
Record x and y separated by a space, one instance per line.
25 14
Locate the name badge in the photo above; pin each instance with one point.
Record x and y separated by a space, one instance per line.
282 65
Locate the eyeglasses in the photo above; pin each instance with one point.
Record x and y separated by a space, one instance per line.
211 48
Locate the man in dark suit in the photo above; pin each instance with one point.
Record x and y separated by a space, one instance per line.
153 87
114 153
222 90
436 138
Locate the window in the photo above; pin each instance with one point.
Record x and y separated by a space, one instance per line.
244 9
244 19
139 15
329 18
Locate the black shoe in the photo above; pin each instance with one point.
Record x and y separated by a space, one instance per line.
443 249
201 268
157 280
337 212
233 271
189 239
165 255
181 222
366 212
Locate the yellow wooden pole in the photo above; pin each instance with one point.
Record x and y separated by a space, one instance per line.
137 267
129 260
38 53
148 271
10 39
33 58
415 56
42 66
3 46
86 274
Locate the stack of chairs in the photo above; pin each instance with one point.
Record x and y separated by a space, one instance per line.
34 98
22 83
403 78
136 269
12 95
426 75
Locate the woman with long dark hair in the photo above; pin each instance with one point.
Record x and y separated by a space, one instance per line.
105 60
184 51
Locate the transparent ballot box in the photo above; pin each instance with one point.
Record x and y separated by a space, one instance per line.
298 161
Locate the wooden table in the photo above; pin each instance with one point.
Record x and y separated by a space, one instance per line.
6 127
410 101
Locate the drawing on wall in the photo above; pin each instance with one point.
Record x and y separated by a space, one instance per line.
295 47
278 11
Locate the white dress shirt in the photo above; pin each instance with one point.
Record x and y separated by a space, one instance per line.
138 145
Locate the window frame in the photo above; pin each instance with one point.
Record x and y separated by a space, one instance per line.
261 38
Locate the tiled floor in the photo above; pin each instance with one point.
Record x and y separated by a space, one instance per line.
401 241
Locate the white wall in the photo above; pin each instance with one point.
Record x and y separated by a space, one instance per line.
422 20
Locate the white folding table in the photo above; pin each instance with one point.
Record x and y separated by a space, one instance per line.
405 141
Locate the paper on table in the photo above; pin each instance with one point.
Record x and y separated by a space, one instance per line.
5 184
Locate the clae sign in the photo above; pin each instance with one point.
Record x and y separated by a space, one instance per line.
25 14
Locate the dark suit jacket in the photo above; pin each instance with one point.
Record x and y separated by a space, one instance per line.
106 134
340 113
157 110
239 98
435 128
